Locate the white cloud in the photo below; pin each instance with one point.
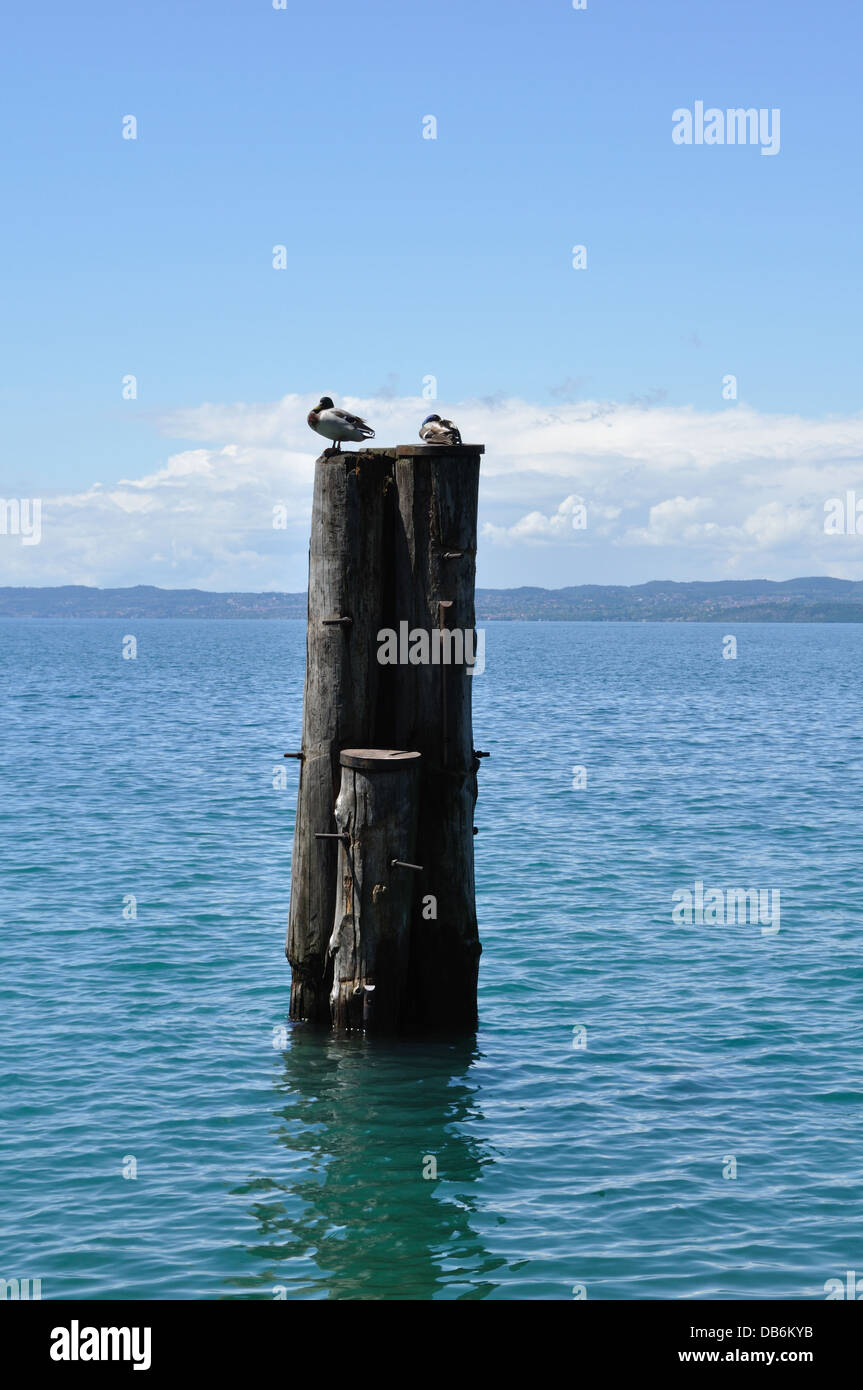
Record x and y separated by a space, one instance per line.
669 492
563 526
675 521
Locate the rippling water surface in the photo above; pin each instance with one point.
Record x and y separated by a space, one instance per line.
283 1162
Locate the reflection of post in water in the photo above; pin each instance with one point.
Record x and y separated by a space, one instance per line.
347 1212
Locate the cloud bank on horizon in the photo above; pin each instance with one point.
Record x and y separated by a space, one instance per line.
594 492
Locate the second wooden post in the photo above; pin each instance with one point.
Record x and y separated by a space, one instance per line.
376 814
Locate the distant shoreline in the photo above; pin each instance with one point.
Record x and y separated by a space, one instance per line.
808 600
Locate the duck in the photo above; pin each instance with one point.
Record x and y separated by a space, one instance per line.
338 425
434 430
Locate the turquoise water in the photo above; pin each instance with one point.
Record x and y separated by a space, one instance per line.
270 1161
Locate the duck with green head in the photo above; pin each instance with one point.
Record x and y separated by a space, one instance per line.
338 425
434 430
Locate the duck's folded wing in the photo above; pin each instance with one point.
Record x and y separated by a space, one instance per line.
353 420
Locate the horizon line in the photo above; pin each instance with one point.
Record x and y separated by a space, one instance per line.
301 593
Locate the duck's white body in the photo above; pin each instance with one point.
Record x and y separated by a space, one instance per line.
339 425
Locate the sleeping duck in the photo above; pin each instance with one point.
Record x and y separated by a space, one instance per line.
434 430
338 425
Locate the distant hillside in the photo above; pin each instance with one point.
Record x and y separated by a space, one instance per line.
815 600
145 601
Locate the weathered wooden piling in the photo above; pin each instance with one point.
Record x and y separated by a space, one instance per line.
393 549
376 813
437 493
339 700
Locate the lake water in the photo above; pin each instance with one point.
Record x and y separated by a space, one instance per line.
273 1160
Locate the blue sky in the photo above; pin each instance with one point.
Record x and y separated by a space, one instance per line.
408 257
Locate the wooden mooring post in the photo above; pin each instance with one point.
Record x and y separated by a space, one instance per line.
387 767
376 813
